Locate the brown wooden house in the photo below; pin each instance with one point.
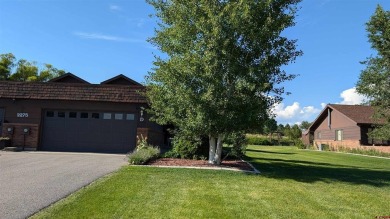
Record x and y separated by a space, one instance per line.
344 125
70 114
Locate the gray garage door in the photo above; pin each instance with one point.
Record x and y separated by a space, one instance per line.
88 131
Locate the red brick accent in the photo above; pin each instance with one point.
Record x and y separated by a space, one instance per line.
18 139
350 144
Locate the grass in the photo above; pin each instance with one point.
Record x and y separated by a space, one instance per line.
293 184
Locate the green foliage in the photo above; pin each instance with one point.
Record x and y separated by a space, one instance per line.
222 72
187 146
299 143
270 126
143 155
6 64
305 125
256 140
374 81
144 152
295 132
238 143
280 129
25 70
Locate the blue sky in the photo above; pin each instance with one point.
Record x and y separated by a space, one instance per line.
99 39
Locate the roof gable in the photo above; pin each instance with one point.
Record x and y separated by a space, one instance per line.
69 78
358 114
120 80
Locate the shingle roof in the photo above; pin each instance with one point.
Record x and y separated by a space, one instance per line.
120 79
358 113
70 91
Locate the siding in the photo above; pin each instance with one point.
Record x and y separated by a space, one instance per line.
351 131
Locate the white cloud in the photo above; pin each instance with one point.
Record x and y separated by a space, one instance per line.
115 7
98 36
351 97
294 114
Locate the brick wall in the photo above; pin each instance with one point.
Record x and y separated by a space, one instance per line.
349 144
18 139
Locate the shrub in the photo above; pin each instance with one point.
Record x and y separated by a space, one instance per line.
185 146
143 155
325 147
188 146
256 140
299 143
144 152
238 143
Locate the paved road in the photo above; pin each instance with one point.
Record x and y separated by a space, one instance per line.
30 181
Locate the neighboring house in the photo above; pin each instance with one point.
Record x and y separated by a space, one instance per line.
344 125
70 114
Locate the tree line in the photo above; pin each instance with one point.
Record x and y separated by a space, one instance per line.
291 131
12 69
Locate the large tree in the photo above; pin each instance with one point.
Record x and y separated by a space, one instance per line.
374 81
25 70
221 69
305 125
7 62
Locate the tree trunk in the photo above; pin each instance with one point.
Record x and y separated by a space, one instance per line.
218 153
212 150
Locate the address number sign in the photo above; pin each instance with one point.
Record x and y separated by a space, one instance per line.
22 115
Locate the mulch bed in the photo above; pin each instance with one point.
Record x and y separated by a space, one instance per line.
233 164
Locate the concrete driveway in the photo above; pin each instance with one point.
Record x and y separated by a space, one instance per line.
30 181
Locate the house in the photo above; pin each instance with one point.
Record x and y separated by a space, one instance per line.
70 114
344 126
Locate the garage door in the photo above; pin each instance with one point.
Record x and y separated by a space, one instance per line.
88 131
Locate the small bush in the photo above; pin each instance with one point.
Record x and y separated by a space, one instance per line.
325 147
143 155
238 143
299 143
170 154
188 147
185 146
144 152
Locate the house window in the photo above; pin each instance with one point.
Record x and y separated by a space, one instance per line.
95 115
118 116
339 135
129 116
107 116
72 114
319 135
49 114
84 115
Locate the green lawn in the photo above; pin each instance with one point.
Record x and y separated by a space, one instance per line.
293 184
